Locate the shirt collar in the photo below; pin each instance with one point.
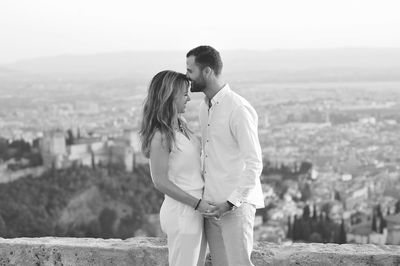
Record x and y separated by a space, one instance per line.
220 94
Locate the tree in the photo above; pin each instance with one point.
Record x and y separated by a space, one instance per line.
320 224
138 212
305 167
125 229
93 229
315 217
397 209
3 227
337 196
107 219
92 159
305 229
36 143
382 225
342 235
327 229
379 211
374 227
306 192
295 231
315 238
290 231
306 212
3 148
69 140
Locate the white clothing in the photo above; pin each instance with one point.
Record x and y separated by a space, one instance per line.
184 167
232 159
231 237
182 224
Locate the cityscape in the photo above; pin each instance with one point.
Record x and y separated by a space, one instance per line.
331 150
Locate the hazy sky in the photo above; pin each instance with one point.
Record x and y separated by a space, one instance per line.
31 28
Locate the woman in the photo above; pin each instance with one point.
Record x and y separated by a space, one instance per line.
175 167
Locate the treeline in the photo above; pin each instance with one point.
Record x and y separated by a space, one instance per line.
378 222
32 207
20 149
288 171
299 172
316 228
320 229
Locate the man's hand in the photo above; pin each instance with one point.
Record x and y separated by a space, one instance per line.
205 206
218 211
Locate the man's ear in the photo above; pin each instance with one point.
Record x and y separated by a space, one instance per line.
207 71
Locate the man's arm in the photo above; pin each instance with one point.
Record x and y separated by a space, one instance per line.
244 126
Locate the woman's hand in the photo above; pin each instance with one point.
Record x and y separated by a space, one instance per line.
205 206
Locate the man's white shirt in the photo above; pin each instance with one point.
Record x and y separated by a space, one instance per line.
231 154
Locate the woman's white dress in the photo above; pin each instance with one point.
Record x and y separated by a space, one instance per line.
182 224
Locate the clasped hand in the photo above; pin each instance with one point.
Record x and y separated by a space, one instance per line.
212 210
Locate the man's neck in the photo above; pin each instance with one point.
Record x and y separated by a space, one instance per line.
213 88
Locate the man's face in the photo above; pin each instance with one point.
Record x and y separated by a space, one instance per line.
194 73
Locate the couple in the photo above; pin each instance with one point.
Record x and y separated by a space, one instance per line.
212 188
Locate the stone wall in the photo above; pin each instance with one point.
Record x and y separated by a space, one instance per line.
153 252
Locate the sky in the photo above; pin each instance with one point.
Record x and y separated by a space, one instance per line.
37 28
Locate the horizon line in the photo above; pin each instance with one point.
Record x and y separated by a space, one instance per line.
77 54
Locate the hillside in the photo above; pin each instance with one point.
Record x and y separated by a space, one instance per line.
78 201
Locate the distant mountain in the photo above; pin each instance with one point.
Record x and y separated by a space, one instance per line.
5 72
8 74
347 64
129 65
362 64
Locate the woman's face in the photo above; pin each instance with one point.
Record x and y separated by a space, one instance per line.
182 98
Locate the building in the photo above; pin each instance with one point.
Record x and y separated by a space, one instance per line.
393 227
53 149
88 151
133 139
87 108
354 195
363 234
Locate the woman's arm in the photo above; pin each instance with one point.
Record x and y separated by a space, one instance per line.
159 158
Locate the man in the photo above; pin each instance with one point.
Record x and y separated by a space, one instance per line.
232 160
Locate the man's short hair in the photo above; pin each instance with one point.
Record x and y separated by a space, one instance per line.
207 56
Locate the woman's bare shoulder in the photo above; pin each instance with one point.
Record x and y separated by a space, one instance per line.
158 142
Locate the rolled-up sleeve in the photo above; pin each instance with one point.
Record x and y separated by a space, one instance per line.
244 127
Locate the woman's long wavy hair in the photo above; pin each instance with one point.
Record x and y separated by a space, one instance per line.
160 110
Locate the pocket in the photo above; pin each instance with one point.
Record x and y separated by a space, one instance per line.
245 210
